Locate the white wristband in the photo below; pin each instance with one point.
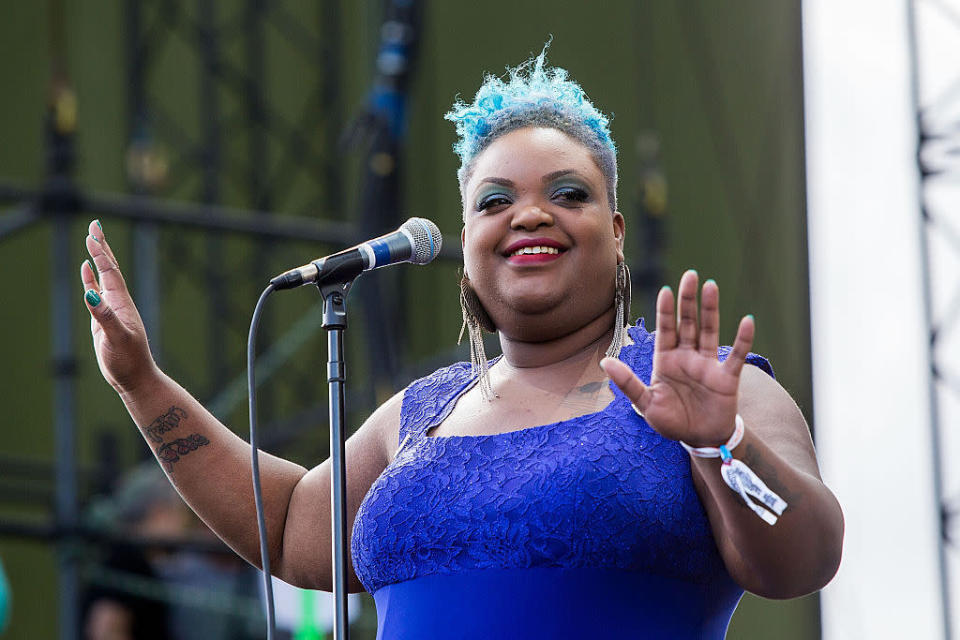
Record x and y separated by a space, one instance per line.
740 477
723 451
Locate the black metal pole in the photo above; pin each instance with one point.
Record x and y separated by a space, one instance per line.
59 200
648 271
145 235
328 53
193 216
382 127
258 153
62 303
335 321
210 115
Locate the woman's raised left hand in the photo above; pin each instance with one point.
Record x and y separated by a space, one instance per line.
692 396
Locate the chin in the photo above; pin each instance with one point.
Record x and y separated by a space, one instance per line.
529 303
540 320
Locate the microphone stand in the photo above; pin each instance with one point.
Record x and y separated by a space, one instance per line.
334 322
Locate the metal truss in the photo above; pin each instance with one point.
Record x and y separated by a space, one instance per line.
228 140
220 160
935 44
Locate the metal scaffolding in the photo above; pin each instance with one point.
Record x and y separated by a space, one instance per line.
225 160
935 48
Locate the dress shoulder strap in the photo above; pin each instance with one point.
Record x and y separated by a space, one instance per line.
426 399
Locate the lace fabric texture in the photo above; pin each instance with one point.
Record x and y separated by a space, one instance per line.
602 490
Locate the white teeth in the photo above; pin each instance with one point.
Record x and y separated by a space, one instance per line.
526 251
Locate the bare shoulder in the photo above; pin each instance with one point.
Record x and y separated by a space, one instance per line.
383 428
769 410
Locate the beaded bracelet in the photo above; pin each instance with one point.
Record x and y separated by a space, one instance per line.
740 477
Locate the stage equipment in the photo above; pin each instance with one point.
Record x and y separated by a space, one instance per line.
279 185
379 132
418 240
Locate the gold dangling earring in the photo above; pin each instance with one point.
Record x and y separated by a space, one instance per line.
621 301
475 320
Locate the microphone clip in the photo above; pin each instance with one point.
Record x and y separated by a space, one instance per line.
334 303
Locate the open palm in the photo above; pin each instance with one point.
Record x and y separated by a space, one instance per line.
118 334
692 396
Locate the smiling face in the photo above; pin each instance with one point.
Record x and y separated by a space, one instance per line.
540 242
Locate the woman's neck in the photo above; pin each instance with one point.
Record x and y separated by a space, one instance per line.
568 356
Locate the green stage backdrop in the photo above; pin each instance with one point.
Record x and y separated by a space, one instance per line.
719 84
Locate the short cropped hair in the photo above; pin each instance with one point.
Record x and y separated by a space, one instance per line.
533 95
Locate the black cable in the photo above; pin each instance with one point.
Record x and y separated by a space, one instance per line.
255 463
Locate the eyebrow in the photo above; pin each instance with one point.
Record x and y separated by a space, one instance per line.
550 177
503 182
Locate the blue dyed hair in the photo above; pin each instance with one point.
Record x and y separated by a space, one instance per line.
534 95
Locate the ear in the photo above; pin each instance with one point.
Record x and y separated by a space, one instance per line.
619 232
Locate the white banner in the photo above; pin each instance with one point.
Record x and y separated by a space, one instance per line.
871 375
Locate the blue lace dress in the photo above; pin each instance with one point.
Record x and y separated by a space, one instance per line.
584 528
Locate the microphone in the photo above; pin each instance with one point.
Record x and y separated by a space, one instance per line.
418 240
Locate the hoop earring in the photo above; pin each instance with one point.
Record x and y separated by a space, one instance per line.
621 301
475 320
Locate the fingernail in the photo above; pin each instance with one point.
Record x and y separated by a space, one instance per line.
710 281
100 226
92 298
693 271
94 238
752 319
87 262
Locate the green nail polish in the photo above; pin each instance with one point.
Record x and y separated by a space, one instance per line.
711 280
88 263
100 226
94 238
752 319
92 298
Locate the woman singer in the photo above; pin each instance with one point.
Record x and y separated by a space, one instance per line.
594 474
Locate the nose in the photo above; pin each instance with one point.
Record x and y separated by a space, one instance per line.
530 217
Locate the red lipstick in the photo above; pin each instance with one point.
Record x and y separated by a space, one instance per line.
542 250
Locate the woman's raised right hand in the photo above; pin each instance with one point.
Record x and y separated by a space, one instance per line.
119 338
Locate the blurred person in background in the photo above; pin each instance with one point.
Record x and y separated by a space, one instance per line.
575 479
111 610
169 591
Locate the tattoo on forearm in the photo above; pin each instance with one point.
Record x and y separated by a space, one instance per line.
768 473
172 451
167 422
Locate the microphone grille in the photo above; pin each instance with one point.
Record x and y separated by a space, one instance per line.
426 239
